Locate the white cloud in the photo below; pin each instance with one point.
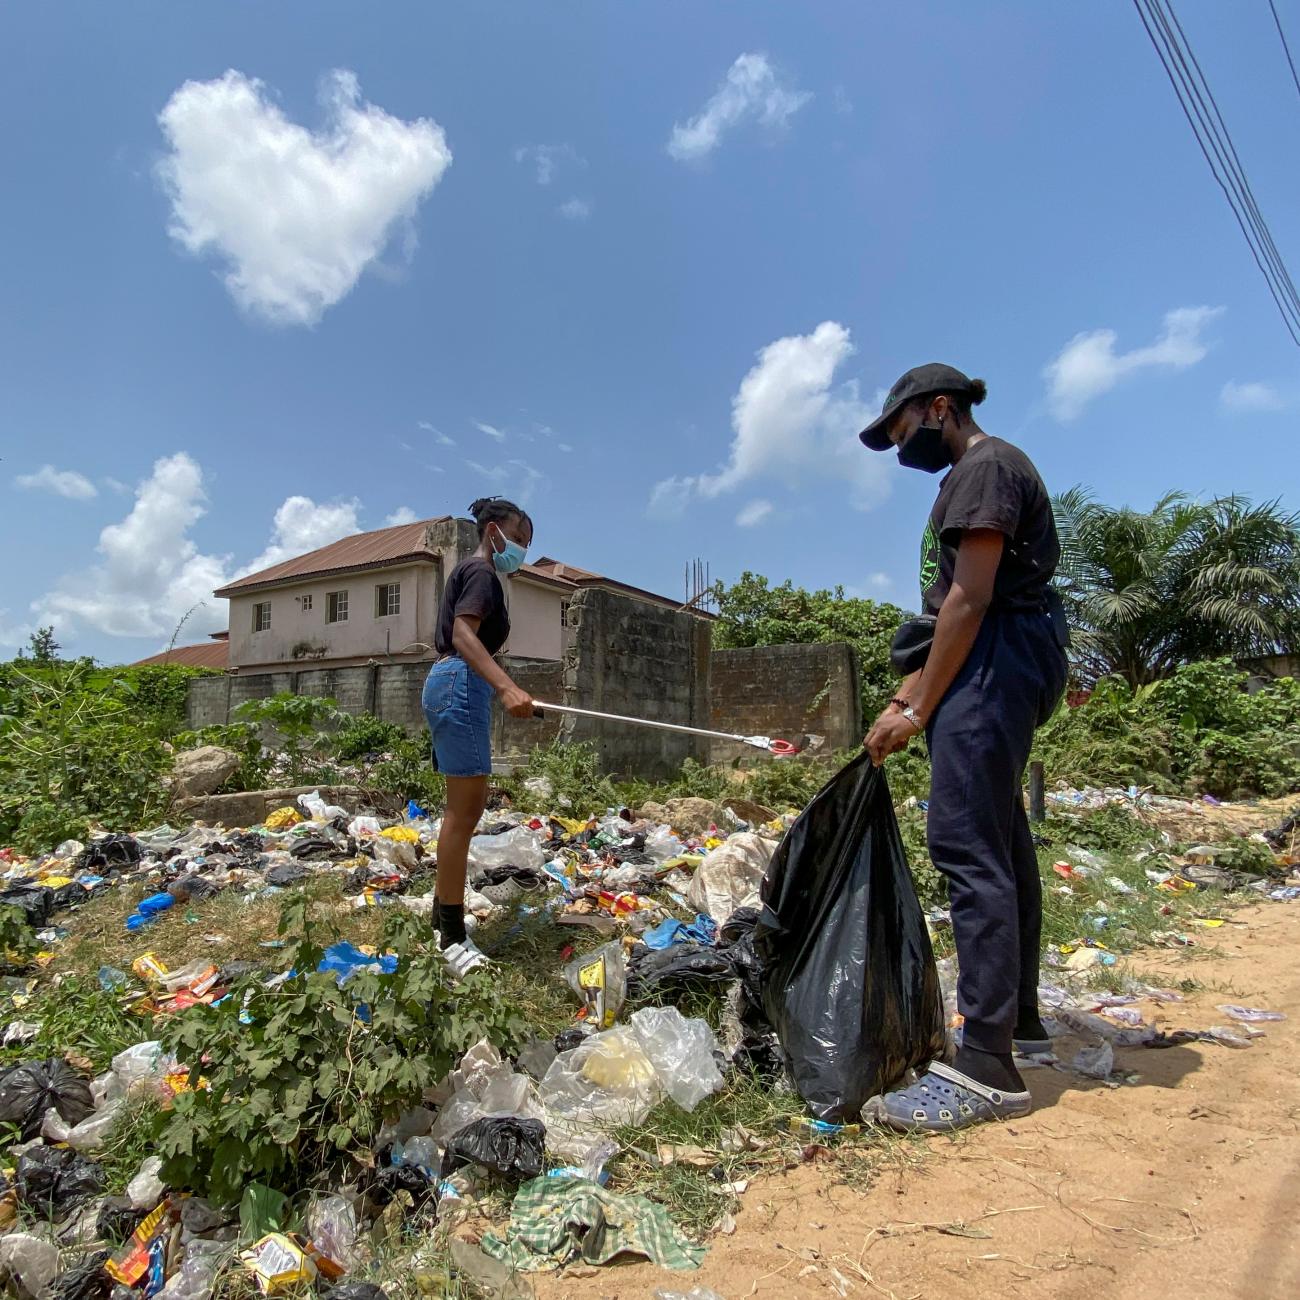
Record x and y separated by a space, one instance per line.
575 209
754 513
13 635
302 525
296 215
563 446
841 101
548 158
1250 399
150 573
751 91
791 424
514 479
62 482
441 437
491 430
1089 366
116 485
402 515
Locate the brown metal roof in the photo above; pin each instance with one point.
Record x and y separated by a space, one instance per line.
209 654
377 549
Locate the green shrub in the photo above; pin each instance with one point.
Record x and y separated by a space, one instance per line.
363 734
70 754
300 1078
408 773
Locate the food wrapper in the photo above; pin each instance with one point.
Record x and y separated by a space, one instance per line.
131 1263
150 968
283 1261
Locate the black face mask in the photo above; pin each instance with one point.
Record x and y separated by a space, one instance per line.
926 450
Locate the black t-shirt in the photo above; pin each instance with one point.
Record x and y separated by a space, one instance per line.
474 589
994 485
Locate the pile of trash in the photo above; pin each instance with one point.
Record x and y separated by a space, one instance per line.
679 897
674 909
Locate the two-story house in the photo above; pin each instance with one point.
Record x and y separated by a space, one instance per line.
375 596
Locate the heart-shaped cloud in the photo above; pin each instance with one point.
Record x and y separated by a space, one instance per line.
296 214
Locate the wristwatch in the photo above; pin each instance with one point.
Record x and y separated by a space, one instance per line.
909 713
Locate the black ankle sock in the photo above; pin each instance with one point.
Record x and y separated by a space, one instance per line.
992 1069
1029 1024
451 923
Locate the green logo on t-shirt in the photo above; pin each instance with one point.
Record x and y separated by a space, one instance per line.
929 558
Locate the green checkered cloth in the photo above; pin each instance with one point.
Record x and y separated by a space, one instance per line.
557 1221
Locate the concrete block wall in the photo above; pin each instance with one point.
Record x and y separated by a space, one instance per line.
625 656
784 690
639 660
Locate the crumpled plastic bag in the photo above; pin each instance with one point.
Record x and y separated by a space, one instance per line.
681 1052
599 978
197 1276
483 1085
85 1280
145 1190
27 1091
505 1145
52 1182
89 1135
730 875
519 847
607 1079
332 1228
1096 1062
28 1264
318 810
662 845
140 1071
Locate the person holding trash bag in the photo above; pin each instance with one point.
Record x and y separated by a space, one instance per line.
473 624
985 666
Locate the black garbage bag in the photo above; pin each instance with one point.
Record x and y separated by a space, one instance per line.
52 1182
193 888
567 1039
84 1281
848 981
35 901
739 924
310 848
109 851
27 1091
286 873
652 970
117 1219
506 1145
383 1182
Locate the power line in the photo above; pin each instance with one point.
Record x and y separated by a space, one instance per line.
1294 75
1202 113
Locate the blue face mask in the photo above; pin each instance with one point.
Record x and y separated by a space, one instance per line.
508 560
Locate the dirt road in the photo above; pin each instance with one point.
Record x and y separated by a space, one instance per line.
1183 1184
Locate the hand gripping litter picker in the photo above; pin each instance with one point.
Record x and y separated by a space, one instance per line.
781 748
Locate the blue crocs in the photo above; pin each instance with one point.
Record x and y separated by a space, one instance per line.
943 1100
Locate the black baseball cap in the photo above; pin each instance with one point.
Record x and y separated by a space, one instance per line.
921 381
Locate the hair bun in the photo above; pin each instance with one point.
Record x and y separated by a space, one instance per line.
477 507
979 390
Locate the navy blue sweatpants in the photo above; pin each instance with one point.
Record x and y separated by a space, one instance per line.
979 740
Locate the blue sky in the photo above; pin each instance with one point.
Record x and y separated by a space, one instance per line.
277 273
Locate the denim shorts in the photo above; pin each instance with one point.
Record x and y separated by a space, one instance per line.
457 705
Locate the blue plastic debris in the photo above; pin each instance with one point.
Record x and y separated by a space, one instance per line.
704 929
346 959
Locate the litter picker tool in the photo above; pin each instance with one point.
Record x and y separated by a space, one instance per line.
781 748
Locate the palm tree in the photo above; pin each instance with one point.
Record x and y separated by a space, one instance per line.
1187 580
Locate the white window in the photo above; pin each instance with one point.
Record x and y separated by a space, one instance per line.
336 607
306 604
262 616
388 599
564 613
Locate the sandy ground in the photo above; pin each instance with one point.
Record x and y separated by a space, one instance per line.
1185 1183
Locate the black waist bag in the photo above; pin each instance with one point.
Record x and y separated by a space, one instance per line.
848 975
910 647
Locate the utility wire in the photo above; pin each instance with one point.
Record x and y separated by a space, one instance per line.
1294 75
1211 132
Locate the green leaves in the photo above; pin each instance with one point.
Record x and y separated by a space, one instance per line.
293 1093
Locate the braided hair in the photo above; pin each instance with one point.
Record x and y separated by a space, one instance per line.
496 510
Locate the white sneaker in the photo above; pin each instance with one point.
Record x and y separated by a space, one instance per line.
463 958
